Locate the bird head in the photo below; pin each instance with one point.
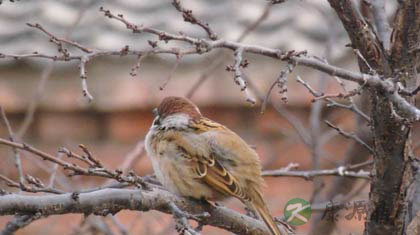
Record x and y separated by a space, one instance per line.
174 111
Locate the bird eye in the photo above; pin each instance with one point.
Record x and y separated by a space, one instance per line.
156 122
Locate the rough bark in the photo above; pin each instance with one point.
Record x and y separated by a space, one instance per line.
394 159
393 168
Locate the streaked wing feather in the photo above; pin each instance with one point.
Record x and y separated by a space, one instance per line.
210 169
221 180
213 172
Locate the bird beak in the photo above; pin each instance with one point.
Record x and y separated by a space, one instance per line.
155 112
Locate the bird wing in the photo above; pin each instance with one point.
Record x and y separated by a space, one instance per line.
218 166
211 168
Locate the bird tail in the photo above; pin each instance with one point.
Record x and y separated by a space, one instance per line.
259 206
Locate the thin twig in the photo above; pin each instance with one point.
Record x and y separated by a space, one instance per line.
29 188
95 162
350 135
78 170
238 75
361 57
220 58
352 107
96 223
171 73
281 82
54 172
290 118
341 202
83 77
256 23
216 63
340 94
189 17
18 162
308 87
131 158
181 220
71 154
123 230
315 132
64 40
34 102
136 68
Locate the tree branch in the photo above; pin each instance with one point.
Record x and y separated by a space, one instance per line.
201 45
12 137
189 17
308 175
381 22
350 136
19 222
111 201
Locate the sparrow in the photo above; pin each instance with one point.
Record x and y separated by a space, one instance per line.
193 156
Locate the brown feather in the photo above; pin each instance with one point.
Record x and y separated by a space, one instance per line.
222 181
171 105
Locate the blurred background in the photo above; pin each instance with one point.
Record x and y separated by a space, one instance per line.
113 125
